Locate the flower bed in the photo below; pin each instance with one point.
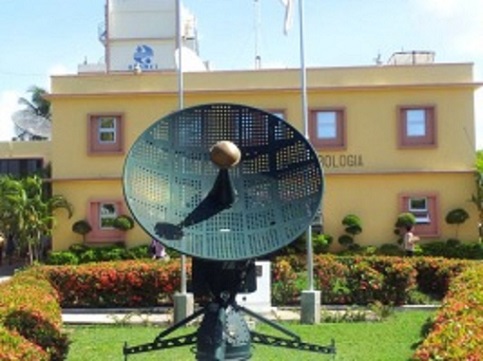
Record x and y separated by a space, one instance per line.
456 333
364 280
30 314
116 284
30 320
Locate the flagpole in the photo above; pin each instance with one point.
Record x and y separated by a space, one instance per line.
303 82
179 45
258 59
310 299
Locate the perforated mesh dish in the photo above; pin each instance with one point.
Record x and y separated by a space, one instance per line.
278 183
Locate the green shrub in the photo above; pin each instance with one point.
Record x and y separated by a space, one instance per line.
90 255
352 224
321 243
123 223
390 249
81 254
138 252
345 240
62 258
81 227
405 219
78 248
453 249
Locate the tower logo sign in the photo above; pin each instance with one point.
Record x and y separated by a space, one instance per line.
144 58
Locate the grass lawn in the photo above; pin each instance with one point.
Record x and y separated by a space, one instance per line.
390 340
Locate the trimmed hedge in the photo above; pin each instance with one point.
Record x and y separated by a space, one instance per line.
116 284
31 320
456 333
30 314
365 280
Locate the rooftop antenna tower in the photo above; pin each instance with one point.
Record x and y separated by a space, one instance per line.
258 22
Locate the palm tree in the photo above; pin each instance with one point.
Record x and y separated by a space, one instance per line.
27 213
33 122
38 104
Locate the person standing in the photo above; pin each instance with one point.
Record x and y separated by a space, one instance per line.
158 251
2 246
409 241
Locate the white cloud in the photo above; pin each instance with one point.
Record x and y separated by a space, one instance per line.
438 8
8 105
57 69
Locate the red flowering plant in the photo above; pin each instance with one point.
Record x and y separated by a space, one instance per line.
364 282
116 284
14 347
331 277
284 283
399 278
434 274
29 307
456 331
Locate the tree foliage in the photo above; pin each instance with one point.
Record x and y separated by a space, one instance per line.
477 197
27 212
37 107
457 216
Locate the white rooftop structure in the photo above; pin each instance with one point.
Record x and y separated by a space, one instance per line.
141 35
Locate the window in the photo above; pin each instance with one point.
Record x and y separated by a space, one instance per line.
20 167
101 215
419 207
107 130
327 128
105 134
425 208
417 127
107 214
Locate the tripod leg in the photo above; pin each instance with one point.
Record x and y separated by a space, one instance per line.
180 324
269 322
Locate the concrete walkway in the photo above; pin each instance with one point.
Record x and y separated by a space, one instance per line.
159 315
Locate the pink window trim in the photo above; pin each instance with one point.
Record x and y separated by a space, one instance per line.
98 235
424 230
428 141
340 142
94 147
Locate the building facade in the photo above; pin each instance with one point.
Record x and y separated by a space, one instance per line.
391 139
19 158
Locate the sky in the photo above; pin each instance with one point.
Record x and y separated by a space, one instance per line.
51 37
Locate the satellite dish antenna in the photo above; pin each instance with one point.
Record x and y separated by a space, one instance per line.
32 123
225 184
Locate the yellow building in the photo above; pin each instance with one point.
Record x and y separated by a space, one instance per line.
392 139
22 158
